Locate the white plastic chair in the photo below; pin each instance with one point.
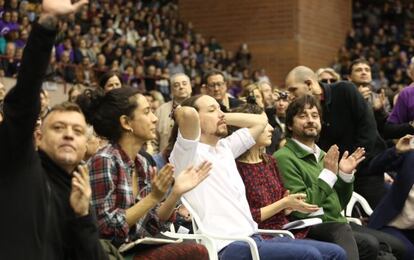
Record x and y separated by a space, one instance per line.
208 239
356 198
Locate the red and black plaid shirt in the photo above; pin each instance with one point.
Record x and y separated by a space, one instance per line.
110 173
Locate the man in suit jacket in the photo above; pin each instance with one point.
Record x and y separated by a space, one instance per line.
395 213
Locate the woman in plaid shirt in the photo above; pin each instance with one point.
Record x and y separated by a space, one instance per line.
126 190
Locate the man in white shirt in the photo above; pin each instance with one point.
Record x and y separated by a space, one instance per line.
220 201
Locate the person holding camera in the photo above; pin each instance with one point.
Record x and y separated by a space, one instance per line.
276 117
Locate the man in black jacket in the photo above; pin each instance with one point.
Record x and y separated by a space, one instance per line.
348 122
44 195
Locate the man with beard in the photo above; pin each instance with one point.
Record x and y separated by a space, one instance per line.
348 121
220 200
306 168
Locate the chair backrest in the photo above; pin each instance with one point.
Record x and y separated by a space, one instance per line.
357 198
195 219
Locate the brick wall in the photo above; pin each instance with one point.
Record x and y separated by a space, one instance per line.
280 34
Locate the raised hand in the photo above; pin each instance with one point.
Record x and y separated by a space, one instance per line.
330 161
404 144
191 177
297 202
162 181
61 7
81 192
349 163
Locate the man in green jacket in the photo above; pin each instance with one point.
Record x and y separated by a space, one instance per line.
327 180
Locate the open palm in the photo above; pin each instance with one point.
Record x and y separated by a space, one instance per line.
191 177
61 7
349 163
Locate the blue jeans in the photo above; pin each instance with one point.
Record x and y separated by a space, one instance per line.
283 248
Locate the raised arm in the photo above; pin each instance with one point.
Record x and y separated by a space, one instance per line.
188 122
22 104
255 123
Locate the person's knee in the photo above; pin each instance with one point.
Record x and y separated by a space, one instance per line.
368 247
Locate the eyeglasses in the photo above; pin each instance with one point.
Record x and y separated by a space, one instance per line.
328 81
216 84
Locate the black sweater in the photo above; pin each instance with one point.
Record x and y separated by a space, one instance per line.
349 122
36 221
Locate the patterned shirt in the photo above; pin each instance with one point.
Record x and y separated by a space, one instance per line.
111 173
264 187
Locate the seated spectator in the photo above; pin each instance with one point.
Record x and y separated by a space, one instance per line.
393 214
267 93
327 75
305 168
9 64
276 116
220 201
270 203
2 92
252 92
216 87
74 92
84 73
109 81
126 193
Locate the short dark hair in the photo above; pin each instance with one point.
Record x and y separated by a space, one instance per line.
103 111
213 73
355 62
298 106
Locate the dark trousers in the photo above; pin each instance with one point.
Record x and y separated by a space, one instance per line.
406 236
359 242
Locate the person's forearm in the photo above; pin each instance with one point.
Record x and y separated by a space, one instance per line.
255 123
140 209
188 121
272 209
165 211
244 119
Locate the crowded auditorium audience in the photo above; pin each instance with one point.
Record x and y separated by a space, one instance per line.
159 112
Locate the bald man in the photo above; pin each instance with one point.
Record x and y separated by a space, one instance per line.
347 121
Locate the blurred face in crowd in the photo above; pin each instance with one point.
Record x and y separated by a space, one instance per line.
216 87
74 95
2 91
44 101
259 98
281 104
212 122
180 87
112 83
327 77
63 138
265 139
306 124
361 74
267 93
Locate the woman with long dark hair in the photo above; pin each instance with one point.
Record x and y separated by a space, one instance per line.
127 191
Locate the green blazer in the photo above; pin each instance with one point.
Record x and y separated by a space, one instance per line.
300 173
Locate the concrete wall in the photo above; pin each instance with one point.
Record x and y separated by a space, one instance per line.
280 34
57 92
